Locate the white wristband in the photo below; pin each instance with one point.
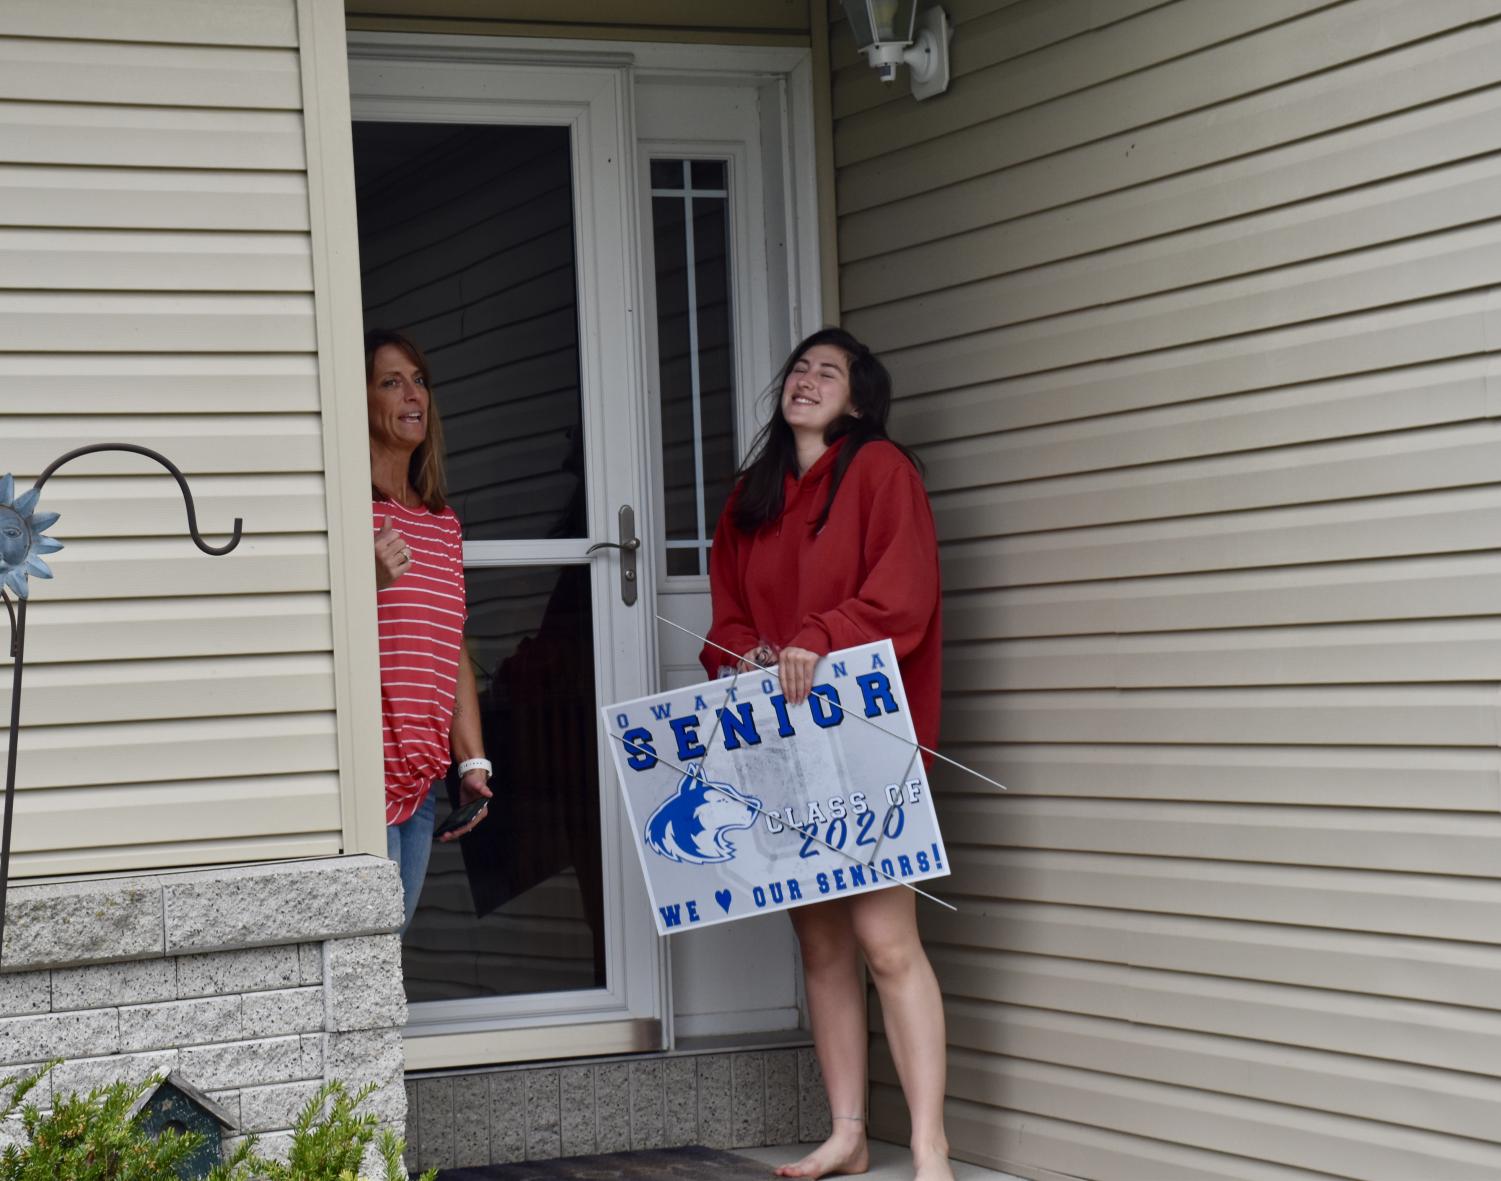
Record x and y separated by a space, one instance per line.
476 765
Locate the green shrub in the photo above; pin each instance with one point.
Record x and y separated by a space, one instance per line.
92 1137
95 1137
328 1143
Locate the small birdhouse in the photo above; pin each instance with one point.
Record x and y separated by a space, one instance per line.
181 1107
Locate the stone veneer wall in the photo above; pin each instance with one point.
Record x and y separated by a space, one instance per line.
722 1100
256 983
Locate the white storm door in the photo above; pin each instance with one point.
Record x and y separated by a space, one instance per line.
498 214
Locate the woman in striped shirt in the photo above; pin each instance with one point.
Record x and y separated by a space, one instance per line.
429 705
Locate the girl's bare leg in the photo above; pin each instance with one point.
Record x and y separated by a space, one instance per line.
836 1004
885 927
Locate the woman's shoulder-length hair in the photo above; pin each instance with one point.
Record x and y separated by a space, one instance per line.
426 471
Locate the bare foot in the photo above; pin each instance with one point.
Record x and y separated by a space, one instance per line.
931 1165
841 1154
932 1170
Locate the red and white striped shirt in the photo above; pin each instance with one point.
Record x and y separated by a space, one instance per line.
421 620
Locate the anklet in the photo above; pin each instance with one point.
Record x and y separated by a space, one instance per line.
859 1119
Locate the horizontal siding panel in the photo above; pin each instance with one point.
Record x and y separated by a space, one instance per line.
1000 1139
1417 1034
151 690
1445 457
1435 779
230 809
1344 1084
60 260
1407 588
535 200
1407 271
118 322
1339 1146
135 568
1431 330
108 198
147 137
1021 227
205 625
1204 54
1413 651
1424 906
141 506
1429 203
474 290
1401 399
245 22
158 752
1216 1123
143 384
1080 152
167 854
1410 841
196 443
42 70
1374 964
1417 715
1418 524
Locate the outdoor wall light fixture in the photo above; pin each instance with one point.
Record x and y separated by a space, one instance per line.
889 34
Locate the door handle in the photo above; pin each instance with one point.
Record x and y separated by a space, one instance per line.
628 545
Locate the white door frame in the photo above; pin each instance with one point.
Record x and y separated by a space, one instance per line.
589 86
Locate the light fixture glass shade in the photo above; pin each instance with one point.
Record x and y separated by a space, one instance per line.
875 22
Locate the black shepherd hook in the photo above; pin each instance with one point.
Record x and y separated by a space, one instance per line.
17 613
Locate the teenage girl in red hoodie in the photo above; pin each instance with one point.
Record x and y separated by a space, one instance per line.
828 542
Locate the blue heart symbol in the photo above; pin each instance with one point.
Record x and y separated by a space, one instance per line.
723 898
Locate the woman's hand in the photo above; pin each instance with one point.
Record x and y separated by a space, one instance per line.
392 557
473 786
796 671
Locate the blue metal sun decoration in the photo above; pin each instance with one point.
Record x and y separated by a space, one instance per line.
21 540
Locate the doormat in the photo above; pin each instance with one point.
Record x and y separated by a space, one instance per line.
691 1164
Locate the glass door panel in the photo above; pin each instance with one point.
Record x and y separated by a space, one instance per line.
517 907
695 353
467 244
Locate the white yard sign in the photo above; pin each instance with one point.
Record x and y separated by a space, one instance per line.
741 804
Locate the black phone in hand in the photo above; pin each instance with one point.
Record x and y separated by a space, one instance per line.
459 817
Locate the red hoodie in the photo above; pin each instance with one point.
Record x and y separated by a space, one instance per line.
870 574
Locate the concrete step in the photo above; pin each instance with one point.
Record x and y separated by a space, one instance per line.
888 1162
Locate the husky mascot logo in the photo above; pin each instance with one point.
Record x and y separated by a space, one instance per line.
690 826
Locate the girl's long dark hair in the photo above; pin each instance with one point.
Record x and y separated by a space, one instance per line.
773 452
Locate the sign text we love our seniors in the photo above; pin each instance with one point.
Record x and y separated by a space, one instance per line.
742 804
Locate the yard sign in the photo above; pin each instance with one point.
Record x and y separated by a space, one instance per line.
741 804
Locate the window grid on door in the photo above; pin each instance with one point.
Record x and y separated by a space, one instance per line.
690 216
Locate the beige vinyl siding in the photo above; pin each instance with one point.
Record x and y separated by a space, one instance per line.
1191 311
758 22
156 287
